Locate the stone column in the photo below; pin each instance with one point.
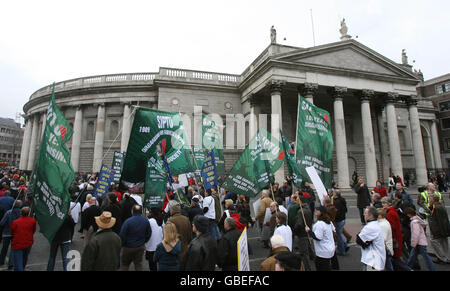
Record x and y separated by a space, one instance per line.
340 137
436 146
33 142
43 121
253 117
99 138
310 91
25 144
369 145
126 127
394 143
277 118
76 138
383 145
416 136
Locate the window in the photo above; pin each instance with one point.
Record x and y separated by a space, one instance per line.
447 143
439 89
90 130
447 87
444 106
445 123
113 129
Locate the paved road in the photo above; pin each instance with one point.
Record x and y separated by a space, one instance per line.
40 250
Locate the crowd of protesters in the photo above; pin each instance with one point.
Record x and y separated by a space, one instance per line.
301 231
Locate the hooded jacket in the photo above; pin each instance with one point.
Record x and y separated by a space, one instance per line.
418 236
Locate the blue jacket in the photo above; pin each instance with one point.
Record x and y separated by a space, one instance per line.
135 231
167 261
7 219
6 202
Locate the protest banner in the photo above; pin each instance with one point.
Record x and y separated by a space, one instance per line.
104 180
314 144
53 173
242 252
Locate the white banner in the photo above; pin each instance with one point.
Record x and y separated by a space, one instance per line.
242 249
318 184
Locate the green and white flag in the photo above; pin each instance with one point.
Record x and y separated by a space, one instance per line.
289 156
53 173
212 138
155 183
256 166
153 129
314 146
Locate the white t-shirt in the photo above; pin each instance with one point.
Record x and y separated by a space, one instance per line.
209 202
286 232
156 237
375 254
324 232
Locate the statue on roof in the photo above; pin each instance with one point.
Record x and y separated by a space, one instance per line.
404 57
273 35
344 30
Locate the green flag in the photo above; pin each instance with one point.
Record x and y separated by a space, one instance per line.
53 173
255 167
212 138
155 131
155 183
314 141
289 156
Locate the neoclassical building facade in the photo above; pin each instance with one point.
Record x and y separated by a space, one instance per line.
380 125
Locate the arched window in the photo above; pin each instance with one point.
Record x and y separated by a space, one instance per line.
113 129
90 131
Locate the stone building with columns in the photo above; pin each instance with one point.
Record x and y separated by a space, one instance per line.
377 118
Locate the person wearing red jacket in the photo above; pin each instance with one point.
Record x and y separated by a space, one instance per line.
22 231
397 239
380 189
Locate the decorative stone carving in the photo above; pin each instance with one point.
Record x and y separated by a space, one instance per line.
366 95
344 30
276 85
273 35
404 57
338 92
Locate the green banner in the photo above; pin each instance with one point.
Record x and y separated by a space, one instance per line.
53 173
314 141
293 169
212 138
152 129
155 183
256 166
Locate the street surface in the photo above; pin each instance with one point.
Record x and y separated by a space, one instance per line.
39 252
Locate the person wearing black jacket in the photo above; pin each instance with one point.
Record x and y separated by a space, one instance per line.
304 216
363 198
61 240
113 206
341 206
227 246
195 209
88 224
201 254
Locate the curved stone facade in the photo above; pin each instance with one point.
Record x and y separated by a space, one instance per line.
360 88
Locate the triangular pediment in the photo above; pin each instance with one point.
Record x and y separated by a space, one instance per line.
350 56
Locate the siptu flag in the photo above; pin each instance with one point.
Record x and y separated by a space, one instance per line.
150 127
212 138
292 166
155 183
314 145
53 173
209 171
256 166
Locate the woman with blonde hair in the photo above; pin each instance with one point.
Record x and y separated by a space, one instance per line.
167 253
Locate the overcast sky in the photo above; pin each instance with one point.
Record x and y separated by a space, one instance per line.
42 42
